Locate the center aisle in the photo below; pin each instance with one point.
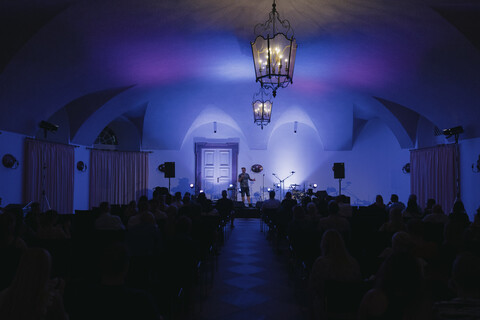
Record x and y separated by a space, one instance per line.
251 281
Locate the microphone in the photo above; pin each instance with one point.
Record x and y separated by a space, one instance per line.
293 171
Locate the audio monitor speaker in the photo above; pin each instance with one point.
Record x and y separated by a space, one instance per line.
339 170
169 169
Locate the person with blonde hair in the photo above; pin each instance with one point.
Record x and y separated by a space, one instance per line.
335 264
32 294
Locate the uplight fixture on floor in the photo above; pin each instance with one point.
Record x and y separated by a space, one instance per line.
274 52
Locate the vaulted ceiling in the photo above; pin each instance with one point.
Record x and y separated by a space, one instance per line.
169 66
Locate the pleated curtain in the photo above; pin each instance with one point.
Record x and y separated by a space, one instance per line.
49 175
433 174
117 177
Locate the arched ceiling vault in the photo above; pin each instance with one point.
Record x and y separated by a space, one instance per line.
160 63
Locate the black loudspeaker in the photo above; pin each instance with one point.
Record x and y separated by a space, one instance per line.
339 170
169 169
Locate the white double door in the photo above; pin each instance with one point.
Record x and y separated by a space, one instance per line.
217 171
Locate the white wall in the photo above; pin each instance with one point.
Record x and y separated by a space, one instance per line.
374 166
469 180
81 179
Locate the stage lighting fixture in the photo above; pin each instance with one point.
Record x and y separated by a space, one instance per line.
453 131
315 185
191 185
230 185
47 127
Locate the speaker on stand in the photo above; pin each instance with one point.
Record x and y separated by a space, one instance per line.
169 170
339 173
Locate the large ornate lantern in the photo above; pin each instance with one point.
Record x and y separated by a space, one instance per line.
274 52
262 107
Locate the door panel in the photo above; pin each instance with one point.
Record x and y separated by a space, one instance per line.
217 171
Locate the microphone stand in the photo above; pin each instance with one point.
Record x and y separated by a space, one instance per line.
279 180
263 187
282 183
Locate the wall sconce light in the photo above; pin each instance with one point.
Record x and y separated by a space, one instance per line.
406 168
191 185
215 127
9 161
295 126
81 166
477 167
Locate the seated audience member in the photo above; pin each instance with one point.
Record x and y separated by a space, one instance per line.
472 234
130 210
47 227
459 213
312 214
183 253
11 248
107 221
142 217
344 208
112 298
288 203
187 197
401 242
465 282
205 204
398 292
429 206
395 203
271 203
32 294
335 263
177 200
224 205
412 210
395 222
154 208
303 237
143 238
455 227
335 221
423 249
436 215
378 203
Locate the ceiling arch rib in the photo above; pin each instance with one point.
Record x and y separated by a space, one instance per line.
80 109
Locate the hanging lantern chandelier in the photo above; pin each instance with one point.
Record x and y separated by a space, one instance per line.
274 52
262 107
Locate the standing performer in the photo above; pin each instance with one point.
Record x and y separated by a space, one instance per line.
243 178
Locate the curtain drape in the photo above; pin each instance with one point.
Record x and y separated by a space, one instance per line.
49 175
117 177
433 175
